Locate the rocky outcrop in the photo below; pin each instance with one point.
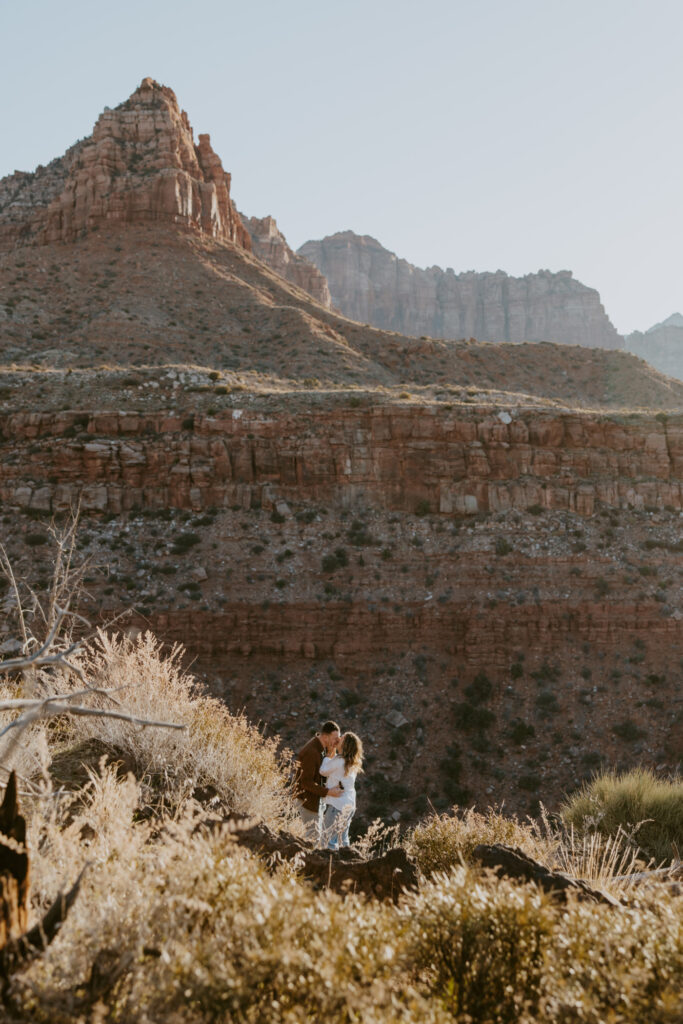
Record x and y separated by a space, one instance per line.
371 284
270 245
140 165
396 457
661 346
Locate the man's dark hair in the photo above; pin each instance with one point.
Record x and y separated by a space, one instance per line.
329 727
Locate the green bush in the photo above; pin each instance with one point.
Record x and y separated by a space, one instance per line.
184 541
335 560
519 732
480 689
547 702
628 730
638 798
451 767
34 540
503 547
358 535
471 717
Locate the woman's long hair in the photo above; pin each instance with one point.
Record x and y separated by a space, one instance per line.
352 752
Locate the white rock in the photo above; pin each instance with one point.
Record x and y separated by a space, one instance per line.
11 646
396 719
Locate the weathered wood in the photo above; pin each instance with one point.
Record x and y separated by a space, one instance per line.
383 877
672 873
514 863
17 945
669 878
14 867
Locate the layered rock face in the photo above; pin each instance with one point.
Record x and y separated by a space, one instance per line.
370 284
661 346
391 457
139 165
270 245
325 558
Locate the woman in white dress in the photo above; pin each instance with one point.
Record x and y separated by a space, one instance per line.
341 770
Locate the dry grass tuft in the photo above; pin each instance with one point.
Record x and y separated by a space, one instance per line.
220 753
638 803
443 841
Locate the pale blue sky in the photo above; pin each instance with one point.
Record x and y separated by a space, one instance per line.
511 134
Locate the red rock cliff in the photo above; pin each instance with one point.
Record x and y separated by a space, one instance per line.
270 245
396 457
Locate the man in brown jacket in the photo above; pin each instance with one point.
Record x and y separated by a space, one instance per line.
309 786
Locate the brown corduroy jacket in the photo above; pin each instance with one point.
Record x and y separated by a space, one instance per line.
308 785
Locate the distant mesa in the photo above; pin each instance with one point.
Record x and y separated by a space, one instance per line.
661 345
675 320
140 165
371 284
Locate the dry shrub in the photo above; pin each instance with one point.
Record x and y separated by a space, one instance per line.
493 950
444 840
479 945
219 751
174 923
621 964
180 925
605 862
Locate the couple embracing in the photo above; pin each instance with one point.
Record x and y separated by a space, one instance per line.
325 786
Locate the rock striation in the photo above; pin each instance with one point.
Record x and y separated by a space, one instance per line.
661 346
140 165
270 245
403 458
371 284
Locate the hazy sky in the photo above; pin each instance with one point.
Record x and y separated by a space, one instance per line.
475 134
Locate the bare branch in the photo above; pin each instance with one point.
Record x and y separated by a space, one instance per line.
48 707
55 654
6 568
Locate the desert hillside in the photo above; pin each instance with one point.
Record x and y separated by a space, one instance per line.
469 552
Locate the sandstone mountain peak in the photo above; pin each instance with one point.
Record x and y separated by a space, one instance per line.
140 165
